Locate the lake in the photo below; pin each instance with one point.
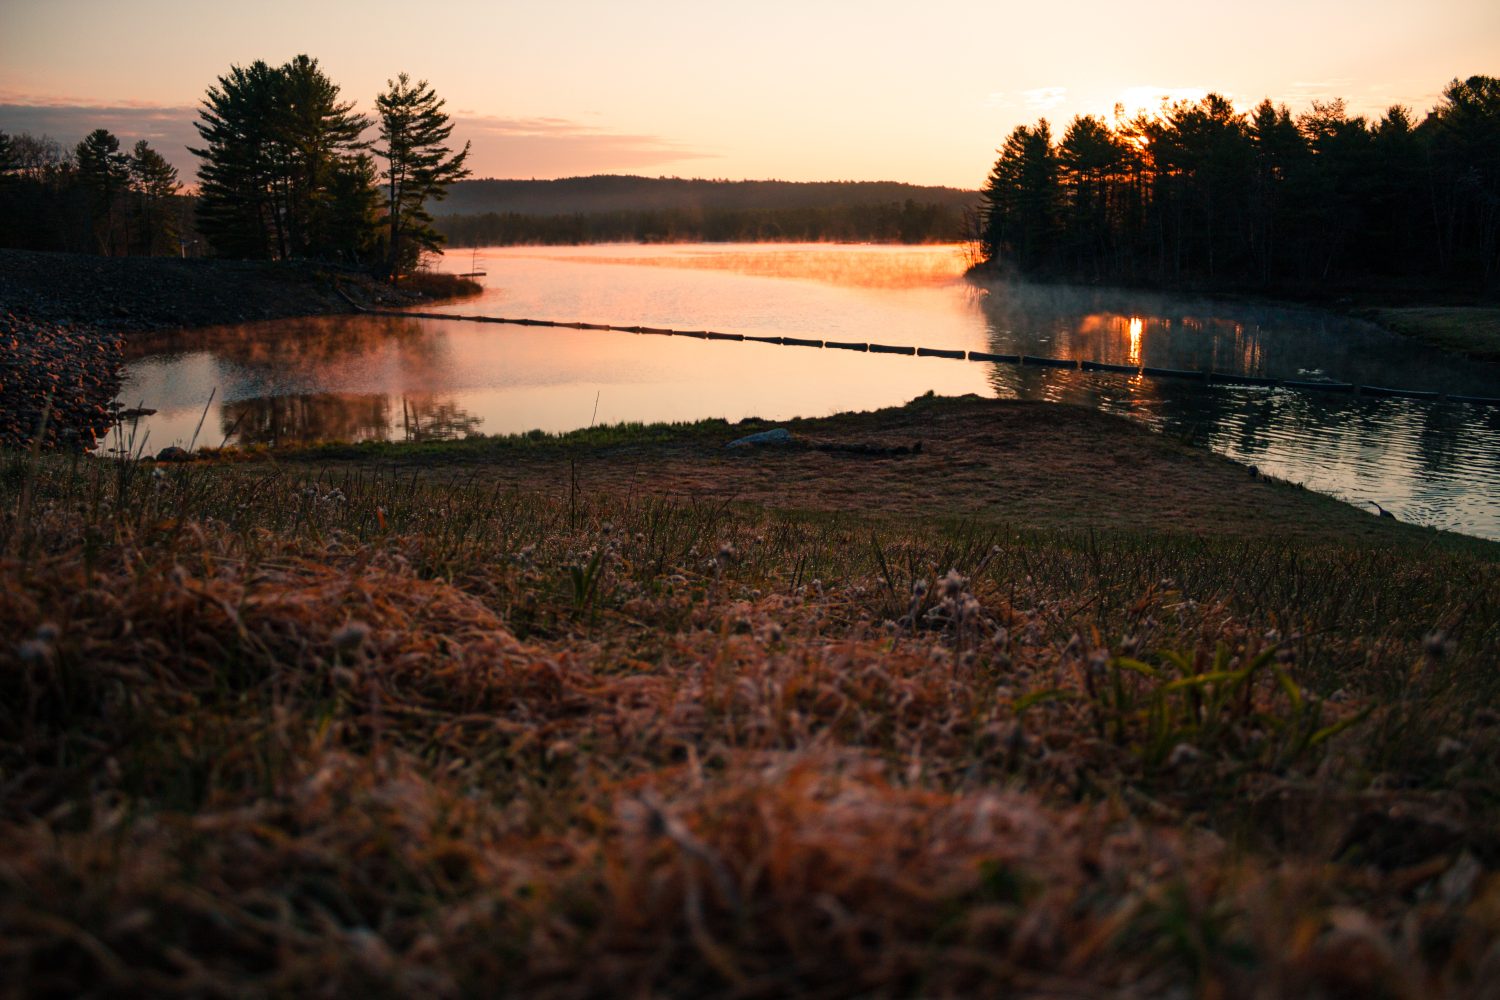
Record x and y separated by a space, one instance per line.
380 377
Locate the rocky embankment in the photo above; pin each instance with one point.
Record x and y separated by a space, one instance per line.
64 316
69 372
126 294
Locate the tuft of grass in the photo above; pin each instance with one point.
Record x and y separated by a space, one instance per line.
434 285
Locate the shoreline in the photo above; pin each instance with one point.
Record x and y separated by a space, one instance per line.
135 294
1032 465
1461 323
69 317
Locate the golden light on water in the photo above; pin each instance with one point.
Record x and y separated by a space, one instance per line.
1137 326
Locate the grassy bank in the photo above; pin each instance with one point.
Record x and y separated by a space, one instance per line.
1470 330
552 716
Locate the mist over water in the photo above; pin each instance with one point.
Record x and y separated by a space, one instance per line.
365 377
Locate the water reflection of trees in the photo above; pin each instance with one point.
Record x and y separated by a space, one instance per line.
1349 438
427 419
1184 331
308 342
344 417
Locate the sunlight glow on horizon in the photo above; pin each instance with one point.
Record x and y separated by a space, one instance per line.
833 91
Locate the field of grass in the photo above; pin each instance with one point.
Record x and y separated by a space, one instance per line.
467 722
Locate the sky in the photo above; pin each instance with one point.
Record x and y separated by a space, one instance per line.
800 90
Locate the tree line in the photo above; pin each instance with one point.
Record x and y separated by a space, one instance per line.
92 198
1200 194
605 193
287 172
892 222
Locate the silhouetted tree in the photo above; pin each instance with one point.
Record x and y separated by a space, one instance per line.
1398 233
1198 193
418 166
1465 137
1089 158
1279 152
275 138
316 134
1021 200
349 219
104 172
242 164
153 181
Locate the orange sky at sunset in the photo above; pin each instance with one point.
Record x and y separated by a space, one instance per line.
791 90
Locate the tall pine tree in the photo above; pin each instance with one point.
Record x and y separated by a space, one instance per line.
153 181
277 141
105 174
419 165
238 178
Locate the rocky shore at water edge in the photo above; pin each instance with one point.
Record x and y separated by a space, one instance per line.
65 316
70 372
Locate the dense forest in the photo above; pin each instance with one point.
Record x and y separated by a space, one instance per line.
288 171
603 209
1201 194
890 222
606 193
92 198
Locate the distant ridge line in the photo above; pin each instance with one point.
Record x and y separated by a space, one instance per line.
607 193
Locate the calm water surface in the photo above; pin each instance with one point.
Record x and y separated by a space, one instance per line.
361 377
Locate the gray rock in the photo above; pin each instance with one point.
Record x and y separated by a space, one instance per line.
777 435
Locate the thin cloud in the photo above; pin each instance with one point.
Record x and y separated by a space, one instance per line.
1044 98
545 147
168 129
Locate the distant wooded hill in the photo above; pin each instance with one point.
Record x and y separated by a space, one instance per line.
623 208
614 193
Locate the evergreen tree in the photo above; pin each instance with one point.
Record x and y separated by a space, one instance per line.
1279 152
1464 131
1089 158
1198 193
1398 234
104 172
349 220
275 137
1021 200
315 135
9 162
242 164
154 183
418 166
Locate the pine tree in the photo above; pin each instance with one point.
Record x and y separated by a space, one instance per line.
418 166
275 137
236 208
154 182
1021 200
349 221
104 172
316 135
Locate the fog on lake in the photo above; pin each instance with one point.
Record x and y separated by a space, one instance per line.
380 377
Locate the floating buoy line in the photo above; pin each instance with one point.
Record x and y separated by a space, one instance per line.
1022 360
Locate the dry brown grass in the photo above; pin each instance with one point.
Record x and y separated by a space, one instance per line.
268 734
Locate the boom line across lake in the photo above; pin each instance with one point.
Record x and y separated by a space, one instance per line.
1142 371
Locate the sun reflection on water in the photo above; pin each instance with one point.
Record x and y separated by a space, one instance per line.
1137 326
